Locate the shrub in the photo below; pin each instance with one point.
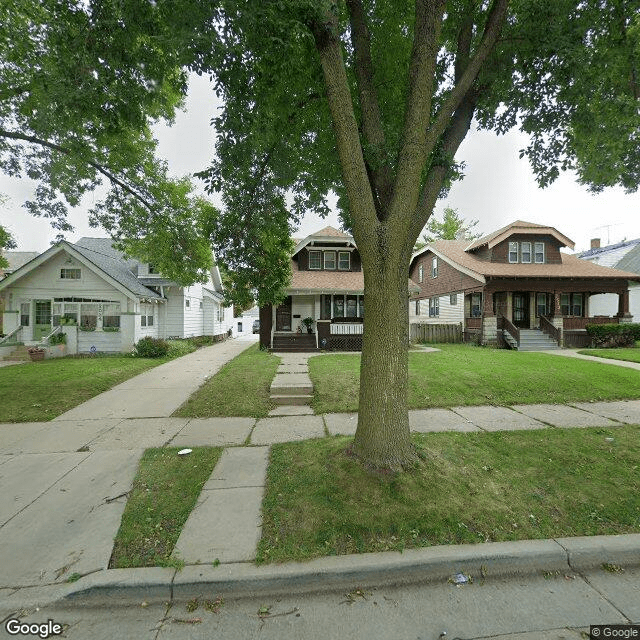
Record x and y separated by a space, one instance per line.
610 336
179 348
151 348
57 338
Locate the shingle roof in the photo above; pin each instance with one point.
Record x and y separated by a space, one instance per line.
631 260
589 253
17 258
331 231
519 226
101 253
571 266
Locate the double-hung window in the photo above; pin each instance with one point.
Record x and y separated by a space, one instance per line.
330 260
539 252
315 259
525 252
417 307
541 304
420 273
513 252
476 305
565 304
344 260
434 268
434 307
576 306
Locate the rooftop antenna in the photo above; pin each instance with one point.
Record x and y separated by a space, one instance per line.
608 228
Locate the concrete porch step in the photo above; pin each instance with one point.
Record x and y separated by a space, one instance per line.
290 400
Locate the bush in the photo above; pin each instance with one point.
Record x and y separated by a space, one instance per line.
179 348
58 338
611 336
151 348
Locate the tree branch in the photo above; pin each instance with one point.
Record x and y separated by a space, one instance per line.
493 26
56 147
354 172
413 152
369 103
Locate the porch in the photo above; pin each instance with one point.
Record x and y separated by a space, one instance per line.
523 319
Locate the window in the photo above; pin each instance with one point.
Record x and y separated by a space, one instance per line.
434 307
315 260
539 252
361 305
513 252
576 306
352 306
453 299
89 316
434 268
24 314
187 303
111 315
56 311
69 274
541 304
325 308
420 273
220 313
344 260
330 260
525 254
565 304
476 305
201 304
417 307
338 307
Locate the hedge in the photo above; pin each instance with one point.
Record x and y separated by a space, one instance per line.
609 336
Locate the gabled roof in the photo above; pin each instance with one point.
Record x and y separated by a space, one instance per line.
519 227
620 248
454 252
324 235
110 264
631 260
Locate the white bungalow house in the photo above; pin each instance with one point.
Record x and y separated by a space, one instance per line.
104 301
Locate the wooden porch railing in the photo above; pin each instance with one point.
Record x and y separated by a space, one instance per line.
581 323
473 323
12 337
547 327
511 328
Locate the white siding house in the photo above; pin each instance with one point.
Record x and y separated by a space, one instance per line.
110 300
443 309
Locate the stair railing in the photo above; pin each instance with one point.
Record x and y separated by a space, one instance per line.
511 328
8 337
546 326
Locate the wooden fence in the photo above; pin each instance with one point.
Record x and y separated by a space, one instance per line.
435 332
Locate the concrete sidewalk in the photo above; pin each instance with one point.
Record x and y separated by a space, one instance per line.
573 353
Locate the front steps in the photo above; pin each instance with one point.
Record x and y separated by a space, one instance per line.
19 354
536 340
294 342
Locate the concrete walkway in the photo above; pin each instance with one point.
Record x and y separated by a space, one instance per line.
573 353
65 482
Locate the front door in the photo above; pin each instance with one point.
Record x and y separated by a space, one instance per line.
521 310
42 318
283 316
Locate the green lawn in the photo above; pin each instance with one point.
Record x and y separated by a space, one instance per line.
630 355
468 488
240 388
163 494
468 375
38 391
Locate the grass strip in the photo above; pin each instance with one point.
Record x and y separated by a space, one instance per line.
164 493
240 388
468 488
629 355
467 375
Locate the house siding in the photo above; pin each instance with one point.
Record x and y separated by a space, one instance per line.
449 314
193 314
552 255
174 319
449 278
303 258
104 342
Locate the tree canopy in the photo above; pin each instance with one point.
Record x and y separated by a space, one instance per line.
452 227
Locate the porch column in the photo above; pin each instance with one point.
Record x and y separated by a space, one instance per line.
489 320
623 306
557 309
556 320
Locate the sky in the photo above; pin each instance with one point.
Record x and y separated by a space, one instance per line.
498 187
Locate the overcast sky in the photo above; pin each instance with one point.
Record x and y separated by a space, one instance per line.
498 187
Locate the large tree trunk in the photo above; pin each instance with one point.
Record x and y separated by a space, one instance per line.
382 439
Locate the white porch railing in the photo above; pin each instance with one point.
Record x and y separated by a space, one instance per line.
346 328
11 337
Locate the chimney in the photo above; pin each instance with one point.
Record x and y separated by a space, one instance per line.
595 243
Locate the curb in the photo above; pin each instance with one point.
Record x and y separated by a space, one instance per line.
113 587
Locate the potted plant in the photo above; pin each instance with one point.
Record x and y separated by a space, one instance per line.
308 322
36 353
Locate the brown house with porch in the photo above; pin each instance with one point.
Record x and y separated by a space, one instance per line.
327 286
516 288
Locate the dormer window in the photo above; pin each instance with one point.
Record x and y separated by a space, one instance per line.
513 252
344 260
525 252
315 259
539 252
330 260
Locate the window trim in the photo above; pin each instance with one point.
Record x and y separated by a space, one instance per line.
453 299
535 252
434 267
417 307
319 254
77 270
420 272
344 253
325 255
513 251
522 252
434 307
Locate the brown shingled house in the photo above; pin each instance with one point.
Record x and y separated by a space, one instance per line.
327 286
514 287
